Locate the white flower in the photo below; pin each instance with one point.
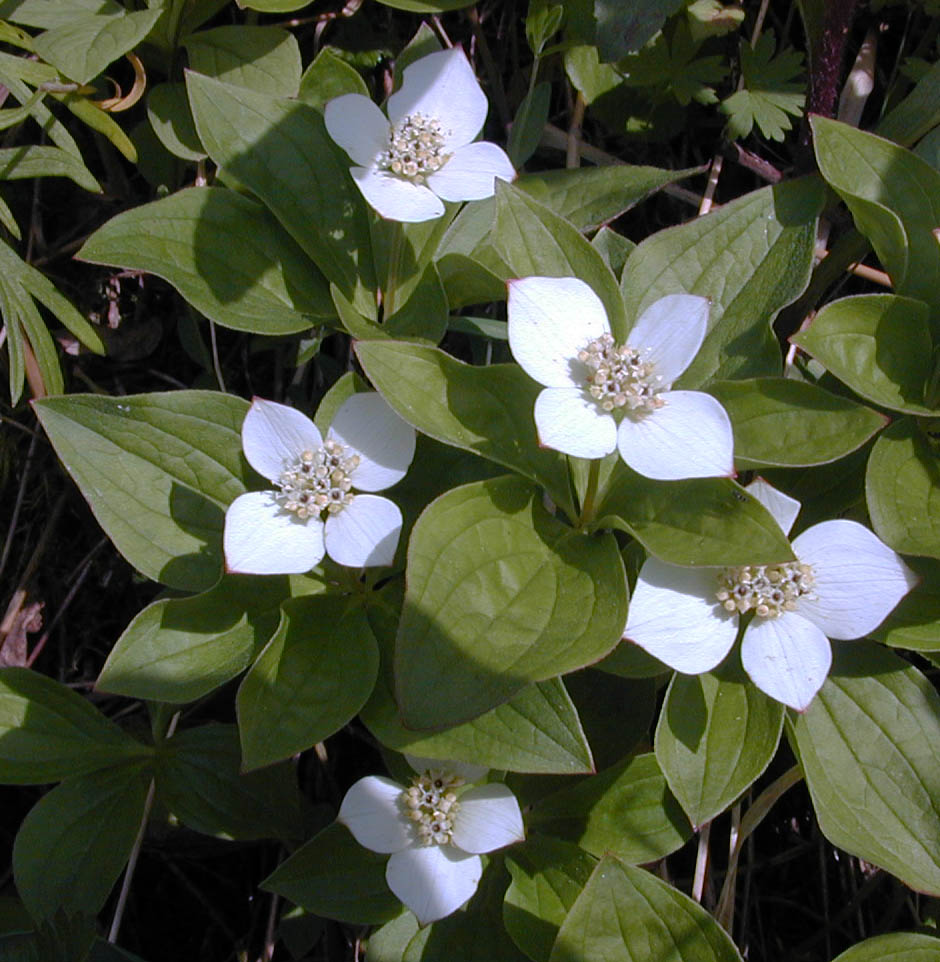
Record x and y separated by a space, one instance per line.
843 585
316 508
560 335
423 153
434 832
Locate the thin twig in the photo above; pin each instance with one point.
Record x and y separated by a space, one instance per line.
135 851
217 367
573 152
18 504
493 75
713 174
701 862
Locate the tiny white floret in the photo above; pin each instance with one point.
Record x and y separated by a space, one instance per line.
843 584
316 506
435 830
600 395
423 153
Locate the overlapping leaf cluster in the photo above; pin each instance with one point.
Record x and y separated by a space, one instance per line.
494 637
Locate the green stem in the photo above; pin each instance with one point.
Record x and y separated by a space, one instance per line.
394 269
587 506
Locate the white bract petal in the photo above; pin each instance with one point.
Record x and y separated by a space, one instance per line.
783 508
569 422
372 811
261 538
470 172
358 126
688 437
384 442
423 152
442 85
396 198
670 332
275 435
788 658
675 616
551 319
488 818
365 533
858 578
433 880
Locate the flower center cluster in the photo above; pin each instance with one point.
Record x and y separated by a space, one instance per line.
415 147
431 804
318 481
619 377
767 590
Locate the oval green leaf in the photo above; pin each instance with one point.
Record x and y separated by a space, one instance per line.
786 423
312 677
867 744
500 594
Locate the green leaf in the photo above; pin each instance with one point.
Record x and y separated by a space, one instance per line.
769 93
420 6
536 731
532 240
336 877
877 344
591 78
22 163
707 521
172 121
225 253
85 45
867 747
264 59
591 196
894 197
625 27
45 14
315 674
199 781
499 594
547 877
751 257
179 649
716 734
486 410
626 810
916 114
894 947
327 77
48 732
280 150
529 123
786 423
625 914
902 488
74 842
157 471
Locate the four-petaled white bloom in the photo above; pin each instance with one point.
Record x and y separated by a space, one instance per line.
316 508
843 585
423 152
560 335
434 832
